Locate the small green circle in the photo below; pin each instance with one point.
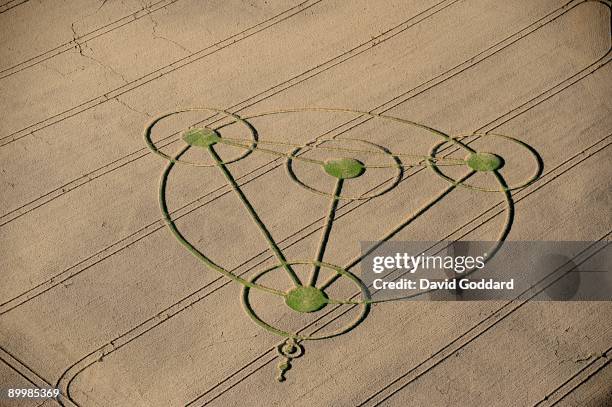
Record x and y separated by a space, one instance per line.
344 168
306 299
201 137
484 161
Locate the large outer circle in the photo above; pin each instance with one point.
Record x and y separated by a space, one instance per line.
237 119
364 312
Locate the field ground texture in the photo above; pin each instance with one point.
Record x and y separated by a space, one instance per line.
118 301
